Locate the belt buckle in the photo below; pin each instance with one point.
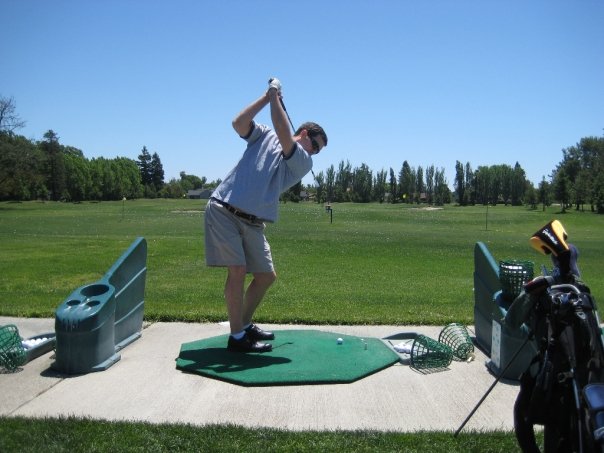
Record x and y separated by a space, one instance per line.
238 213
243 215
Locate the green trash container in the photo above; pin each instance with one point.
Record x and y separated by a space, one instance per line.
85 330
98 320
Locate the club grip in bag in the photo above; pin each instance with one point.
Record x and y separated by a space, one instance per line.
539 284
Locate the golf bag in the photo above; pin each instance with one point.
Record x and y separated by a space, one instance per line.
563 388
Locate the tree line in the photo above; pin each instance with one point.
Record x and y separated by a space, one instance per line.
48 170
578 179
487 184
361 185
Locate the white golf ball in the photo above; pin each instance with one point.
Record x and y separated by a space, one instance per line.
340 341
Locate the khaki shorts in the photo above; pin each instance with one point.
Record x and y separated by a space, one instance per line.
233 241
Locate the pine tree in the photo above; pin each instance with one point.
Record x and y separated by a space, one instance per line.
157 172
55 172
144 164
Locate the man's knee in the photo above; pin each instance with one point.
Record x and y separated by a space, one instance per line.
235 277
265 278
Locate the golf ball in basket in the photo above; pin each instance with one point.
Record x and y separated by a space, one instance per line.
340 341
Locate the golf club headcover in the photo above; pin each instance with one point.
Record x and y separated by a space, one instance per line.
551 239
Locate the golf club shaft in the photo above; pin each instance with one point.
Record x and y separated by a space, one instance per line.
294 129
492 385
285 110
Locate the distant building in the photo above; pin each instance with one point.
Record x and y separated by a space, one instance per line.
197 194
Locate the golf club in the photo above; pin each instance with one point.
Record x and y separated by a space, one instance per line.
499 376
284 109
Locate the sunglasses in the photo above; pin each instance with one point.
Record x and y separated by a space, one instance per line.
315 146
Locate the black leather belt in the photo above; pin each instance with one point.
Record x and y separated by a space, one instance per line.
237 212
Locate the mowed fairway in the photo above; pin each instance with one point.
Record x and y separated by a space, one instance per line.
375 264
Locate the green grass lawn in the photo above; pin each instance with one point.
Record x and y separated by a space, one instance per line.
375 264
76 435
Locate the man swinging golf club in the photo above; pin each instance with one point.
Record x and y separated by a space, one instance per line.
235 215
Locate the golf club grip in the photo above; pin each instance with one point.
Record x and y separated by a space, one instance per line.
284 109
280 98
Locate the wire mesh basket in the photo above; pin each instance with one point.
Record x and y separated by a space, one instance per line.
456 336
512 275
429 353
12 353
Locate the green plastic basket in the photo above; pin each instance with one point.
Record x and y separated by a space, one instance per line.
429 353
12 353
456 336
513 274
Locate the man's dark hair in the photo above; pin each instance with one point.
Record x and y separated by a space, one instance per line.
313 130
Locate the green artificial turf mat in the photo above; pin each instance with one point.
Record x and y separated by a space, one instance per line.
298 357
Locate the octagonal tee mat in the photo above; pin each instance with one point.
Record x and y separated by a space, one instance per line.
298 357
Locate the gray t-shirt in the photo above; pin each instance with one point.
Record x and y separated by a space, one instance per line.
262 174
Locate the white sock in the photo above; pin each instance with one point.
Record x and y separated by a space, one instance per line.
238 335
246 327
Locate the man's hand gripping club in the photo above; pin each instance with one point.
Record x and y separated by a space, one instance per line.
280 117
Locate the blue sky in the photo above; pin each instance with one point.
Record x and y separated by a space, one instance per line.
430 82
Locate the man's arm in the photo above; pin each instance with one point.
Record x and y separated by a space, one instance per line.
243 121
280 123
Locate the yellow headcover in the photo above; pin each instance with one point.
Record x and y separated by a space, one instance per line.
550 239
